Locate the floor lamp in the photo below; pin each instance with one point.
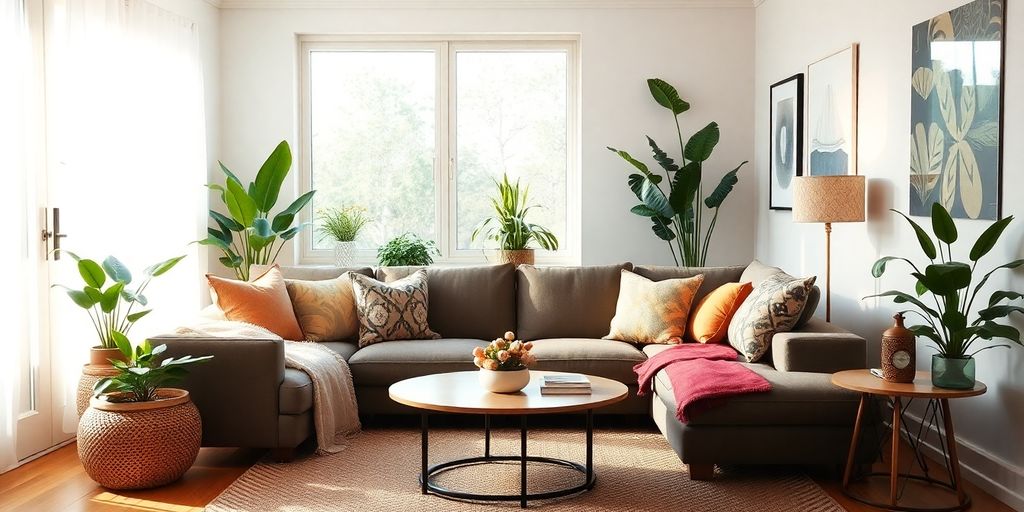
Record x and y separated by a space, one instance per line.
828 199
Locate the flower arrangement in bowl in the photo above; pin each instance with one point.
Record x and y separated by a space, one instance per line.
504 364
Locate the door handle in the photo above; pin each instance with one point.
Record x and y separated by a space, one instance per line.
55 235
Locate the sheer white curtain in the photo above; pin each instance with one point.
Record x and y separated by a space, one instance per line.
15 257
127 161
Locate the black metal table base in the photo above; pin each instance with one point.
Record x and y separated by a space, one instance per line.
427 486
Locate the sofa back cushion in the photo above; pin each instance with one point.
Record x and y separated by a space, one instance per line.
476 302
713 276
566 302
312 273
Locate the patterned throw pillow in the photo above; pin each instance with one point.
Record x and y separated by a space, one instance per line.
326 309
774 306
392 311
652 311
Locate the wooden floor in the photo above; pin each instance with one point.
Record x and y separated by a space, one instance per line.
57 482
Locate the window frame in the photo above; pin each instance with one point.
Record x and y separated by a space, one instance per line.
445 48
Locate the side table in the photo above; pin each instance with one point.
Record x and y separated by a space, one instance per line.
937 412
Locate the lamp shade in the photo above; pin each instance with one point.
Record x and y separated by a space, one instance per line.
828 199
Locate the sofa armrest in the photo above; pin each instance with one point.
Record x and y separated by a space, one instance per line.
818 347
237 391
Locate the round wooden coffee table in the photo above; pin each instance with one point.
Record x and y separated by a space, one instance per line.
460 392
937 412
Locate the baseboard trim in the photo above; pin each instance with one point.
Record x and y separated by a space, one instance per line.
996 475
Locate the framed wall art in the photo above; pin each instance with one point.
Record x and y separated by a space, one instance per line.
786 140
832 114
956 98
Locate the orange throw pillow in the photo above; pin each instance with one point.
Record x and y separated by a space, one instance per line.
263 301
709 322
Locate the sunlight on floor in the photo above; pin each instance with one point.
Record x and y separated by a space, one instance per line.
140 504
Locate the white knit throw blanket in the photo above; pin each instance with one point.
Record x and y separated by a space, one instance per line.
335 414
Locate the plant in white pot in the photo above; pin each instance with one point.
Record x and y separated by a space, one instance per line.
509 227
138 433
949 323
342 226
504 364
113 311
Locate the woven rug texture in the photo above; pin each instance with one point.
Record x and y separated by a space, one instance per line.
636 470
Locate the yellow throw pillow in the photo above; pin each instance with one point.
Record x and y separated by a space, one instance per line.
709 322
653 311
326 309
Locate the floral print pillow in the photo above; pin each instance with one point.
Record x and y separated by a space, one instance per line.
774 306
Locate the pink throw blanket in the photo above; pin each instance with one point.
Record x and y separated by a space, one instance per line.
702 376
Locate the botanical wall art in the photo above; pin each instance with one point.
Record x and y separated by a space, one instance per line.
785 154
955 111
832 114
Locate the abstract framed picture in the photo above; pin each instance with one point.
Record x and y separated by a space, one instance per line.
832 114
956 98
786 144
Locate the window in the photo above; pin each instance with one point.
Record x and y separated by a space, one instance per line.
416 131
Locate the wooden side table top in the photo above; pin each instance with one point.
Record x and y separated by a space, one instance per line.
460 392
865 382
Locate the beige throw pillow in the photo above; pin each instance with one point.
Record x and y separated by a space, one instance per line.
326 310
653 311
774 306
392 311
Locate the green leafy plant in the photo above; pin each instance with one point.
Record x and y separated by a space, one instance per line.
676 216
139 379
407 249
249 236
508 226
948 282
342 224
112 309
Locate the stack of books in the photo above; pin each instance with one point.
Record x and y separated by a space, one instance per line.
565 384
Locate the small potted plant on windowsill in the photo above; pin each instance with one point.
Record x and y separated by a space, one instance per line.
137 433
342 225
948 325
509 227
504 364
407 250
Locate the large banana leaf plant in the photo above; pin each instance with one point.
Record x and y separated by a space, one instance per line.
676 216
947 284
249 236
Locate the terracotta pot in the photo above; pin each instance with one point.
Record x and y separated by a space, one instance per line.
99 356
520 257
504 381
137 445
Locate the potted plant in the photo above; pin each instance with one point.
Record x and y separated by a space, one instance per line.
504 364
407 250
953 326
112 311
677 217
342 225
137 433
509 227
248 235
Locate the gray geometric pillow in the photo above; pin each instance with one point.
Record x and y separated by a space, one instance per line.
392 311
774 306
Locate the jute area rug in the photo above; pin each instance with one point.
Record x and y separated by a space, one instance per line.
636 470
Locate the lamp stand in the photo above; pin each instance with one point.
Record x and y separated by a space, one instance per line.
828 272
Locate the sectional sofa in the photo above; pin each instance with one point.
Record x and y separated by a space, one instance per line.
248 397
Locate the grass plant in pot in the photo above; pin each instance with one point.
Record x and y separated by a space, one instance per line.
953 325
504 364
407 250
137 433
113 311
509 228
342 226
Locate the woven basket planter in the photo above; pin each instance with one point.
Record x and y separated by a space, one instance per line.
520 257
137 445
91 373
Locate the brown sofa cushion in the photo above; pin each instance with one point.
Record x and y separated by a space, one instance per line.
312 273
605 358
713 276
466 302
384 364
566 302
296 393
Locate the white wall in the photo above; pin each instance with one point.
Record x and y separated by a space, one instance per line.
707 53
789 36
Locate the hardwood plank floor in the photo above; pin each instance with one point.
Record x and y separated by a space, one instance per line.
57 482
